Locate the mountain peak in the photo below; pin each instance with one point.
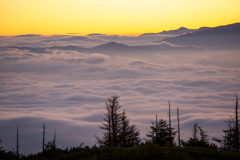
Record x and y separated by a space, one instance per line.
95 34
112 46
182 28
113 43
227 36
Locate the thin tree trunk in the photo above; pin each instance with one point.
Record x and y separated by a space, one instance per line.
178 128
43 142
109 129
17 144
124 129
156 129
54 140
113 123
237 130
170 127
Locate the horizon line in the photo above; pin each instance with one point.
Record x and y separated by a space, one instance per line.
95 33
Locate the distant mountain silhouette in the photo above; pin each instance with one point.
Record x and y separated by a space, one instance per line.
218 37
179 31
118 48
148 34
109 48
69 48
35 50
95 34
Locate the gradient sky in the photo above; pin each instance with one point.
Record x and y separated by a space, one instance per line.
66 89
122 17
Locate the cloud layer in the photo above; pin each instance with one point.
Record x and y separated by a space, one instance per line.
66 90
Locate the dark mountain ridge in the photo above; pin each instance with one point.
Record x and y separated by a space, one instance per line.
111 48
218 37
179 31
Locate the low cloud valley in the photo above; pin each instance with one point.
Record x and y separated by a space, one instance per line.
67 89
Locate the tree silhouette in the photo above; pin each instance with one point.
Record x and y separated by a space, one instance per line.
129 135
179 143
2 151
54 140
236 125
118 132
203 134
227 141
112 123
51 145
17 146
43 138
125 130
170 127
159 133
199 139
195 131
230 139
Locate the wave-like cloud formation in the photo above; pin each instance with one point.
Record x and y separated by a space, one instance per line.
66 89
163 44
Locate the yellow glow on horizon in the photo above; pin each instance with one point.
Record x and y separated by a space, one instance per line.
122 17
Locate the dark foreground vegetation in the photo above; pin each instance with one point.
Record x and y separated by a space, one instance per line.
147 151
121 141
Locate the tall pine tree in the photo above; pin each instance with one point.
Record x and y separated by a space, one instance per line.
230 139
118 132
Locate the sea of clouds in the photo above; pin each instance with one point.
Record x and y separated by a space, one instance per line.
67 90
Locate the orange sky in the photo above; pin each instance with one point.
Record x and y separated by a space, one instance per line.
122 17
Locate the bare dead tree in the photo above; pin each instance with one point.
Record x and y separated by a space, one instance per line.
54 140
178 128
17 147
43 137
236 127
170 127
157 130
43 141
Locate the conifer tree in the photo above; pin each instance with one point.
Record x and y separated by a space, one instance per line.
2 151
195 131
199 139
116 124
112 123
230 139
159 133
125 130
